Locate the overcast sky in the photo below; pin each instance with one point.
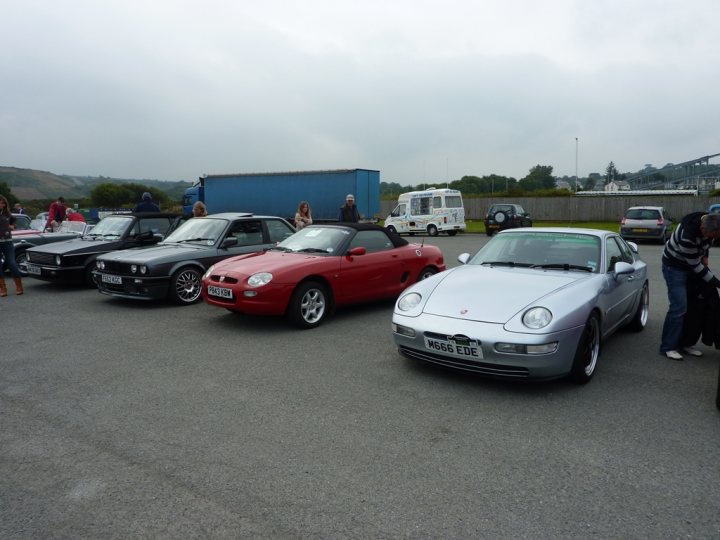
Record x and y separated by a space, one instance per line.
424 91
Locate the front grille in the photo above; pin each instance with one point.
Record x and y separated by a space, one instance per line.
38 257
114 267
227 281
483 368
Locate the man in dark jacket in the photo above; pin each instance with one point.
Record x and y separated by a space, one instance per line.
685 256
349 212
147 204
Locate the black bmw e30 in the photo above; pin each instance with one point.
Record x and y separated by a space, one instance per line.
73 261
173 269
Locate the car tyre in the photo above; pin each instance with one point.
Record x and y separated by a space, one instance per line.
308 305
500 217
640 319
427 272
588 352
89 279
186 286
21 260
432 230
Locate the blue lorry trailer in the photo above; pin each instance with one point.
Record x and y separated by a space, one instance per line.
278 194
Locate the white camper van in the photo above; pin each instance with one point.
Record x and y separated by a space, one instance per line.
433 211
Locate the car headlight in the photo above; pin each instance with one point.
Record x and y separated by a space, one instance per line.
409 301
100 265
143 269
133 268
260 279
537 317
58 260
209 271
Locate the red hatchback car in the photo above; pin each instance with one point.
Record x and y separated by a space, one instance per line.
319 268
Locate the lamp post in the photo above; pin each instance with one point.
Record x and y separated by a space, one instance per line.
576 163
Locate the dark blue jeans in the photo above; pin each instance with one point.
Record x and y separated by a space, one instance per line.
7 249
676 281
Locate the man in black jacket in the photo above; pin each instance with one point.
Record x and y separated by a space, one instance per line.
349 212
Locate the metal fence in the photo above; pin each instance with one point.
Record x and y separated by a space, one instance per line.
597 208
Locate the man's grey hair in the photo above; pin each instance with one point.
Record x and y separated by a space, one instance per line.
710 222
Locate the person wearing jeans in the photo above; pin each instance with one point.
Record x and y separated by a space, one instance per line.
685 255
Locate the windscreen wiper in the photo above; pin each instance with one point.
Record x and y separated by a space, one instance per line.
312 250
508 263
563 266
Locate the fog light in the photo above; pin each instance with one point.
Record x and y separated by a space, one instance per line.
520 348
249 294
403 330
546 348
511 348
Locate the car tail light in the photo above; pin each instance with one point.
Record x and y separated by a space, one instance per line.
661 222
622 222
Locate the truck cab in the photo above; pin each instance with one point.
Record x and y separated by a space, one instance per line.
430 211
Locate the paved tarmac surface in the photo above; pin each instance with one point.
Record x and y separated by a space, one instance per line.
145 420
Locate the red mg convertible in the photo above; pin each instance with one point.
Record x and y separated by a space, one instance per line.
319 268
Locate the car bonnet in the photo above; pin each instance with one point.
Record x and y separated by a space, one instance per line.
494 295
273 262
145 254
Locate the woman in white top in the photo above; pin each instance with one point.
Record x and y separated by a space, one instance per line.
303 216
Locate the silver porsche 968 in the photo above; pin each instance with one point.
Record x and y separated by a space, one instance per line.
531 304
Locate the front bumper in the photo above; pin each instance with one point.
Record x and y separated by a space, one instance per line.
493 363
133 287
56 274
272 299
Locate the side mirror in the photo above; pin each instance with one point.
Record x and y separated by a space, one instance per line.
622 268
354 252
633 246
463 258
230 241
146 236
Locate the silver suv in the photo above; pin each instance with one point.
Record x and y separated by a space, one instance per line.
646 223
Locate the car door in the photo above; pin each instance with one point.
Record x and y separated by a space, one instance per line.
621 290
377 274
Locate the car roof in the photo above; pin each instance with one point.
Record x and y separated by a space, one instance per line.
144 214
646 208
397 240
567 230
237 215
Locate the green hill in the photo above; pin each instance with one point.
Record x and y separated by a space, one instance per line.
30 184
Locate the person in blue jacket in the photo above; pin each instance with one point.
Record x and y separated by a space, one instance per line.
147 204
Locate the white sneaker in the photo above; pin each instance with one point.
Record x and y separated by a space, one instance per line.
673 355
692 351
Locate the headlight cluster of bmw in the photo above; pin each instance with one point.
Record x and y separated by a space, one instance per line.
134 269
100 265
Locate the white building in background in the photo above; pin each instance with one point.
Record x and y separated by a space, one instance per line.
617 185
